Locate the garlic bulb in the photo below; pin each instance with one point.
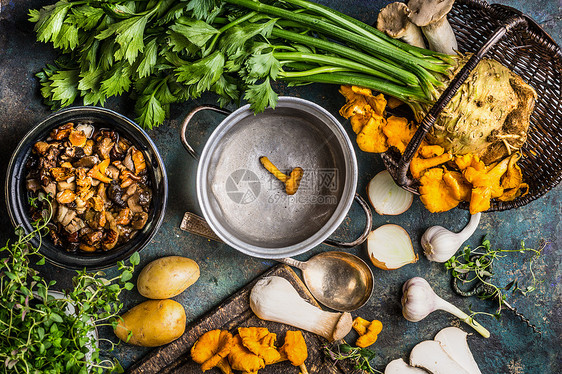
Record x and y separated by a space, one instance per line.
440 244
419 300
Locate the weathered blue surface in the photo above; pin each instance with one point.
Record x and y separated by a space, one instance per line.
512 348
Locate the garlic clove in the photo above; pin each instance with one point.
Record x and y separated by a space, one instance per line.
440 244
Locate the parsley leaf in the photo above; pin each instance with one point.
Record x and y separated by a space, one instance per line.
85 17
50 20
260 96
149 58
150 111
64 86
67 38
227 90
202 73
129 35
197 32
235 38
202 8
118 79
261 66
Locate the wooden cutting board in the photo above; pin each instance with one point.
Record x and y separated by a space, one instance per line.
233 313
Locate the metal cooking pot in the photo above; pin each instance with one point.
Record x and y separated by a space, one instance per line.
247 207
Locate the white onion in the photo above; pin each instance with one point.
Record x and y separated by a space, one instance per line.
386 196
390 247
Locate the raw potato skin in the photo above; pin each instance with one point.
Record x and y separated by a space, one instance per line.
167 277
153 323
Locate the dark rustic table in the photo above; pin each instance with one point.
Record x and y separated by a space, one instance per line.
512 347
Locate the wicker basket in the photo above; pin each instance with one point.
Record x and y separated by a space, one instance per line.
508 36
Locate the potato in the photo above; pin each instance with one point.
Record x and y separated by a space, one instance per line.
167 277
152 323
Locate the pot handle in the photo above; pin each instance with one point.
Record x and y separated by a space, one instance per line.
188 119
368 224
194 224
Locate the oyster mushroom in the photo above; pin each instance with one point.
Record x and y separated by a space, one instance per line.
393 20
431 16
115 193
133 203
87 162
103 147
75 225
86 128
139 220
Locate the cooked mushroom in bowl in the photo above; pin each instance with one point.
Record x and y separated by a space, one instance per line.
98 182
107 183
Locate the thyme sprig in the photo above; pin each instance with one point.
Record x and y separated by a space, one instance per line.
475 266
40 333
359 357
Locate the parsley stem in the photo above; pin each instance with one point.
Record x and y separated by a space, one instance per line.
226 27
381 49
404 76
335 61
410 95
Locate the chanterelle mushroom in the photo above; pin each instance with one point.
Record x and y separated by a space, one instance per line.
294 349
242 359
393 20
212 349
431 16
261 342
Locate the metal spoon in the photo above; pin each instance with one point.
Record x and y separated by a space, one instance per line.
339 280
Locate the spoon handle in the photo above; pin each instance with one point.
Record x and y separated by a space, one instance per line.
292 262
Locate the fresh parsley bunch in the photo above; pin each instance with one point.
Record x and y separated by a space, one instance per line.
43 334
169 51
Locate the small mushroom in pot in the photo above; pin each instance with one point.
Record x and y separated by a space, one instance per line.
41 148
88 147
128 160
62 132
32 185
75 225
55 237
50 189
124 217
115 193
139 220
133 203
94 237
112 172
110 240
86 128
65 197
138 161
61 174
87 162
104 147
145 197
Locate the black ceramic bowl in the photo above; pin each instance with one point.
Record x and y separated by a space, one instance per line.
17 194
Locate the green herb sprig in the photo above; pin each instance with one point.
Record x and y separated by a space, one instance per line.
475 265
360 358
40 333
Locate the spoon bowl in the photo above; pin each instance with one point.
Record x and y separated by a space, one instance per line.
338 280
